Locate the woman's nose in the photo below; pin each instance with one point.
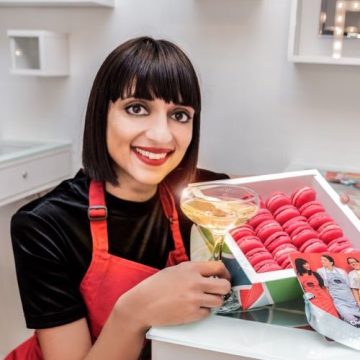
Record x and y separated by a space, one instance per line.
159 130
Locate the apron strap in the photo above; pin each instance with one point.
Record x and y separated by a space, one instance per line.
177 255
97 214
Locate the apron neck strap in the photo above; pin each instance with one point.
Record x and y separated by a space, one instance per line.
97 214
178 255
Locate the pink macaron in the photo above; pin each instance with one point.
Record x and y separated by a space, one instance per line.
288 265
261 216
294 223
267 267
303 195
319 219
283 252
336 248
261 263
281 240
241 231
277 200
300 228
313 246
248 243
274 236
255 251
330 232
267 228
285 213
287 261
339 247
340 240
258 257
301 237
310 208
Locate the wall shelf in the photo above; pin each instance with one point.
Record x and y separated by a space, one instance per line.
58 3
27 168
39 53
306 46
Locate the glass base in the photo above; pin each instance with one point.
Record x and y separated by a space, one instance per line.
230 304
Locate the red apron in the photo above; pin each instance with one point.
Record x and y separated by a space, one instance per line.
109 276
321 298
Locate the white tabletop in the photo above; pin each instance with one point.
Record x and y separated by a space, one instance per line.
253 339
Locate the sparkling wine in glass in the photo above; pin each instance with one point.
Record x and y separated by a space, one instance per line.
219 207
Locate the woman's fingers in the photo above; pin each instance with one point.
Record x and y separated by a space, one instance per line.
212 301
216 286
212 268
214 277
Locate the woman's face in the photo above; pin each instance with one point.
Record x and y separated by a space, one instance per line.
354 263
147 139
326 262
306 266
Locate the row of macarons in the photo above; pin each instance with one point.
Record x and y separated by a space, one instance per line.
287 224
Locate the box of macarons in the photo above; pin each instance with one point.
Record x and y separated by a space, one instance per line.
299 212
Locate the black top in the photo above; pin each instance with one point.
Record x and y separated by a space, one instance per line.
52 245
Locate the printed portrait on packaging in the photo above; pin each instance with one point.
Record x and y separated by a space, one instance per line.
331 281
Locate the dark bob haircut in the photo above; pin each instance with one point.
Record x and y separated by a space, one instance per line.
141 68
300 270
331 259
299 264
353 258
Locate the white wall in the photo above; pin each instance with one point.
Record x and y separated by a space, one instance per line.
261 113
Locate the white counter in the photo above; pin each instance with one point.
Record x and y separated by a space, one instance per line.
223 338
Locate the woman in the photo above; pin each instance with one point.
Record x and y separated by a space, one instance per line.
336 280
312 283
91 254
354 278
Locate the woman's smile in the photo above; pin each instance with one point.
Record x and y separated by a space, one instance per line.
152 156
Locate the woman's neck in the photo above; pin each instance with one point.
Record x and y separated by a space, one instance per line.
131 193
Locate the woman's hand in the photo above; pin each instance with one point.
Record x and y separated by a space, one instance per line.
176 295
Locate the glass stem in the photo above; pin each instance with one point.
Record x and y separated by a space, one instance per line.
218 246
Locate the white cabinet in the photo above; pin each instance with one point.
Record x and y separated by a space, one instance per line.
106 3
28 168
38 52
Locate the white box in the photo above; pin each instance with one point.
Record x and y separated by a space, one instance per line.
277 286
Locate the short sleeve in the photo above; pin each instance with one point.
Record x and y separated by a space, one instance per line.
49 290
354 280
345 276
321 272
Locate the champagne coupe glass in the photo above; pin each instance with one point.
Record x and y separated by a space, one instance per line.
219 207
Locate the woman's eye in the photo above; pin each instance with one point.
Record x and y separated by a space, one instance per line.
136 109
181 116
